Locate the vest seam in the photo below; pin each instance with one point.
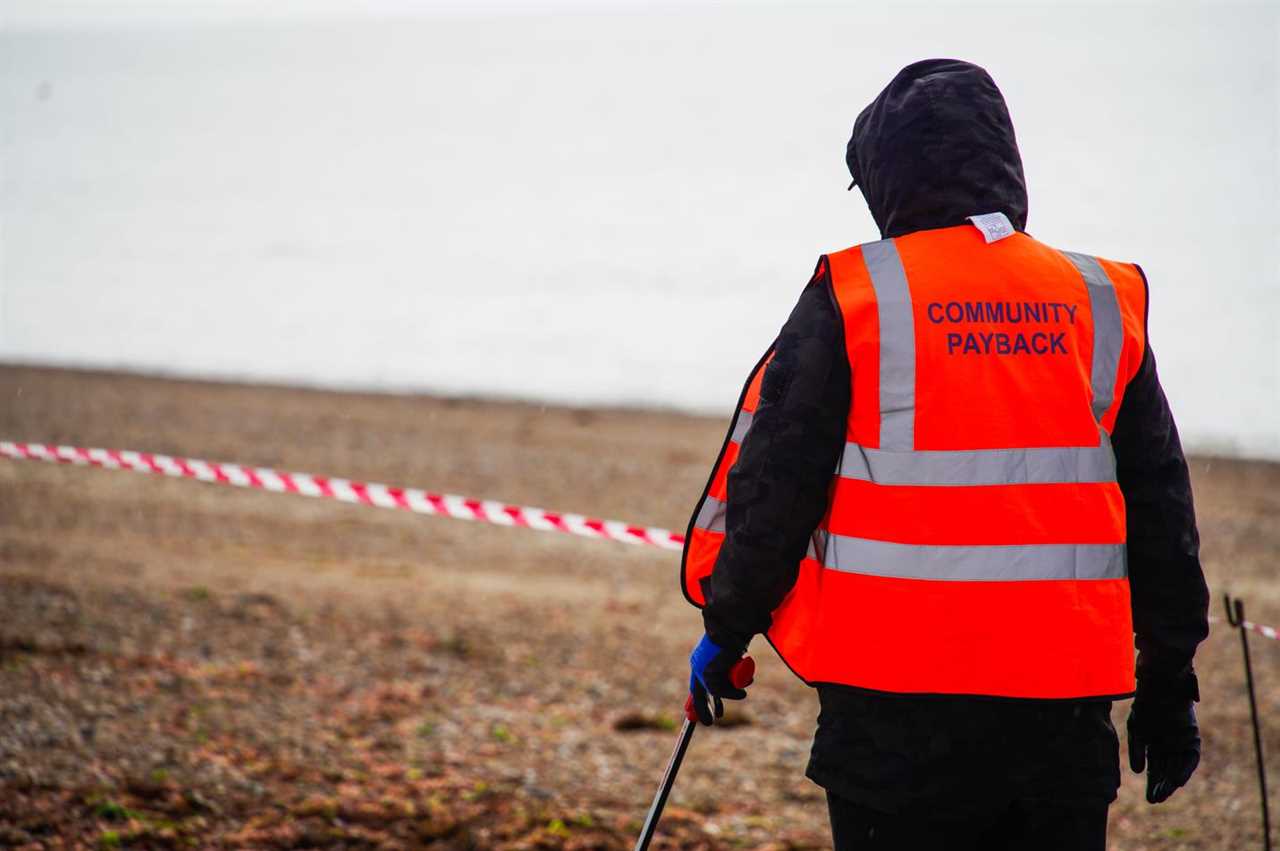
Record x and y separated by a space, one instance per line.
1146 315
715 468
942 695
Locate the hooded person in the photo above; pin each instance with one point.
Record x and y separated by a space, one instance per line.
952 497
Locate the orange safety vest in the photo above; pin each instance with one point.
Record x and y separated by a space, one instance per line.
974 540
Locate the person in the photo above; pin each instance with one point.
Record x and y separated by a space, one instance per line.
953 498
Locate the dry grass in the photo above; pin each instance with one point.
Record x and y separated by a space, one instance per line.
190 665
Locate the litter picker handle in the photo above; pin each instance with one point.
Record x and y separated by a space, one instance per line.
741 675
668 779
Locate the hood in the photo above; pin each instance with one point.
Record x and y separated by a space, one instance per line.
936 146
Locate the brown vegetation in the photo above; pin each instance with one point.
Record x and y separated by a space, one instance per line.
188 665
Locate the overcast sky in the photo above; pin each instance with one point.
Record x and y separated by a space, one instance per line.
593 208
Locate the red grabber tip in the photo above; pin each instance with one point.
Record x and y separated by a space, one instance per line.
743 674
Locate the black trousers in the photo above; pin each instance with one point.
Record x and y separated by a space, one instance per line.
1036 825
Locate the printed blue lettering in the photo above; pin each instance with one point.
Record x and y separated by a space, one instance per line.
985 314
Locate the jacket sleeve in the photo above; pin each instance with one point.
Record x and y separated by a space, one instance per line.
777 489
1169 595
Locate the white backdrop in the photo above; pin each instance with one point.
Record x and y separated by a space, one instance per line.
593 204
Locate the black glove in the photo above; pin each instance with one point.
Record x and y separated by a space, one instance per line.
1164 738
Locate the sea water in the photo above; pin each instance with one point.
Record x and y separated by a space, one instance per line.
590 205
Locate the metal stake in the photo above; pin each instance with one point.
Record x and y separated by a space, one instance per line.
1235 617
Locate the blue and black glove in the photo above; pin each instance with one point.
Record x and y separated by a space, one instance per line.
717 674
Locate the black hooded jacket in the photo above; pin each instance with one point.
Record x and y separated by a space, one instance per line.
936 146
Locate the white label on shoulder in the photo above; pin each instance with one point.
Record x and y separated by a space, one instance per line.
994 226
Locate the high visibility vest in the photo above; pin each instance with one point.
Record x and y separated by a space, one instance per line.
974 540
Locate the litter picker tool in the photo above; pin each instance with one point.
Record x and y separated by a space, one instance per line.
741 675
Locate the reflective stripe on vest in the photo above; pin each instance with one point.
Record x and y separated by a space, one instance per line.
1037 465
1108 332
897 346
1006 523
952 563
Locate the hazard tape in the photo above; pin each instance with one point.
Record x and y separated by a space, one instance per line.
345 490
378 495
1261 629
1264 631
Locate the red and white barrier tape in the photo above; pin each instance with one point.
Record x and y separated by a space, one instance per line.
372 493
1261 629
1264 631
344 490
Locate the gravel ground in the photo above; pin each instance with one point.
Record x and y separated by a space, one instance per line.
187 665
